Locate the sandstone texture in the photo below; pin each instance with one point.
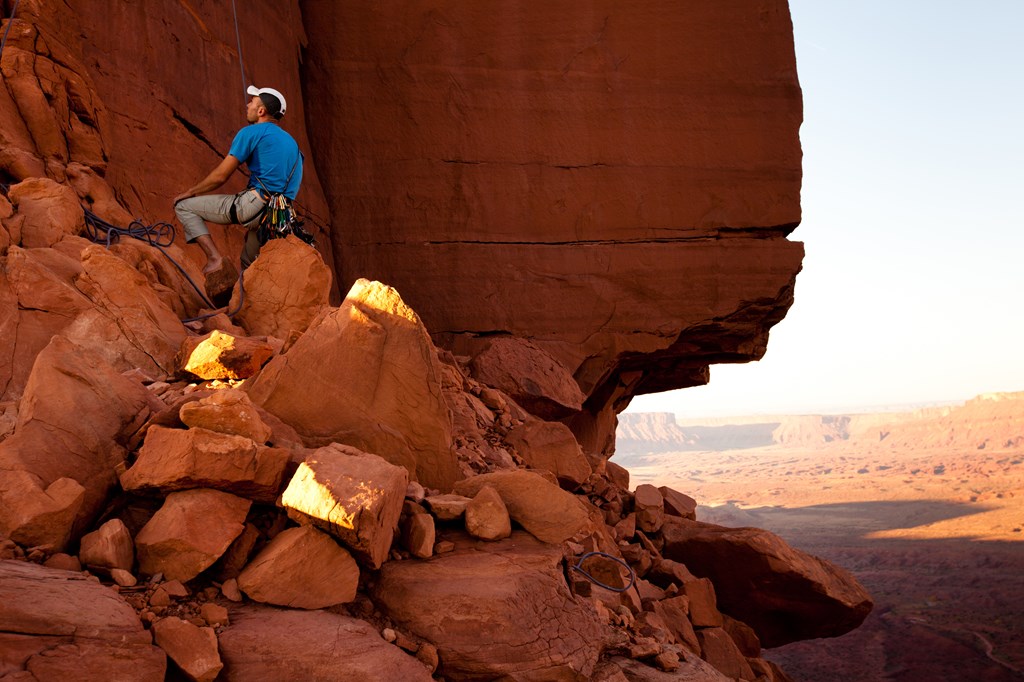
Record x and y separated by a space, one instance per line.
59 625
280 645
302 568
497 609
222 356
177 459
831 601
191 530
193 649
608 178
355 496
366 375
539 506
287 287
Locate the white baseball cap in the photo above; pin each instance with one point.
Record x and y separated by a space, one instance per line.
272 100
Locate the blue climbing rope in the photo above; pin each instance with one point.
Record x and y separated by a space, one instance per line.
579 567
10 22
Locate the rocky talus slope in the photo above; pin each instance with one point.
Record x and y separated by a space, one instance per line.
338 498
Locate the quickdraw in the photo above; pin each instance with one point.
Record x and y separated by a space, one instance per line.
279 220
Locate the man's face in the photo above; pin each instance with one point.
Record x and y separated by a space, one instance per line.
252 109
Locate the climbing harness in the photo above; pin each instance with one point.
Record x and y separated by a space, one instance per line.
278 219
578 566
10 22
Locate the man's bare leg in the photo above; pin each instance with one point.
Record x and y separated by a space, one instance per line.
214 261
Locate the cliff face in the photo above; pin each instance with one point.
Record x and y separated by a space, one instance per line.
613 183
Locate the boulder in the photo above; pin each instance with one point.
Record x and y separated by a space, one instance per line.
743 635
285 289
50 211
301 568
109 546
650 508
495 610
674 612
354 496
534 379
366 375
227 410
60 625
281 645
179 459
486 516
36 516
189 532
703 604
543 509
193 649
219 355
76 412
130 326
418 535
678 504
798 596
447 507
718 649
550 446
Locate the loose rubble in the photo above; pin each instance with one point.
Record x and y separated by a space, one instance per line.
365 504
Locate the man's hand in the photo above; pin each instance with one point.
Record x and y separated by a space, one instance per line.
217 177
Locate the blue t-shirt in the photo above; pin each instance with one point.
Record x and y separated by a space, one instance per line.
270 153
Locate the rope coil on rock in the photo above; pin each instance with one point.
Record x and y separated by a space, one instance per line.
158 235
578 566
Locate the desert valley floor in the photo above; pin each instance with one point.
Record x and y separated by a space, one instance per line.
936 535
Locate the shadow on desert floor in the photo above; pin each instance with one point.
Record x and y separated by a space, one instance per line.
850 518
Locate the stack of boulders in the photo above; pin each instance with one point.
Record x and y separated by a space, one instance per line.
315 492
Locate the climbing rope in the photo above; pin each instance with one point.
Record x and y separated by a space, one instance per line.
7 30
632 574
158 235
241 63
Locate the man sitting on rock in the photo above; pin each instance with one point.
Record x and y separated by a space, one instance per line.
275 167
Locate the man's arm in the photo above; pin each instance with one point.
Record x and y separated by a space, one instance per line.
217 177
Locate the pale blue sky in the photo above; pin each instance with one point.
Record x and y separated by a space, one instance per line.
913 214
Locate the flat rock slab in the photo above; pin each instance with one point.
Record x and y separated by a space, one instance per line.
495 610
60 625
542 508
179 459
354 496
282 645
227 410
189 533
797 596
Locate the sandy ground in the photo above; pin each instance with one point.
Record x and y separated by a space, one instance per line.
937 537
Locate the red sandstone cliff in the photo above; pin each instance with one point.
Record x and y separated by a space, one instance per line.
612 184
580 202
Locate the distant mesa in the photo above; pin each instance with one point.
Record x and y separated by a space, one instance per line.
988 421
